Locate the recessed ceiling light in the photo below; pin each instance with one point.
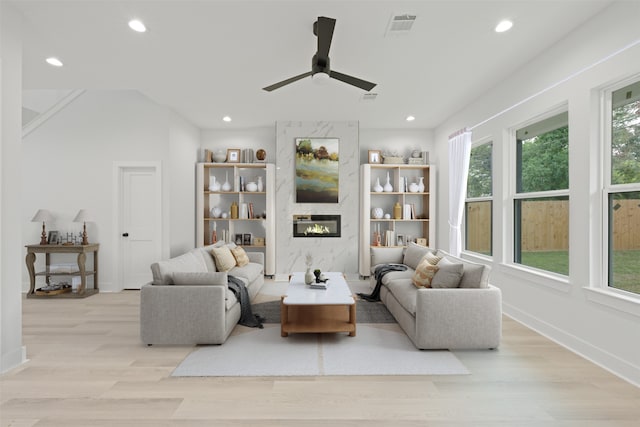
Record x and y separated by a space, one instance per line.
410 118
137 25
504 26
54 61
226 118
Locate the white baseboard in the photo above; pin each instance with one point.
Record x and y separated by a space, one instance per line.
13 359
610 362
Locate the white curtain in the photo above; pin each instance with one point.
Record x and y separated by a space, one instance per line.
459 154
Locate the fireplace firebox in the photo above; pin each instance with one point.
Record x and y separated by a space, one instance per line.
316 226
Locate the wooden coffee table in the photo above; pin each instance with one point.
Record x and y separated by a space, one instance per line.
307 310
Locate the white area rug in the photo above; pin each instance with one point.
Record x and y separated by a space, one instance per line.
375 350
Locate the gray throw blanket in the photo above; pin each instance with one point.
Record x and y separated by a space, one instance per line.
247 318
378 274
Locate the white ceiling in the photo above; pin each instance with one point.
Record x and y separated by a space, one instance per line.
207 59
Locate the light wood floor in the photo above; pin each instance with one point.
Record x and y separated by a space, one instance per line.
88 368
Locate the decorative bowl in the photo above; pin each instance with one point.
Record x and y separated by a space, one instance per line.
219 156
251 187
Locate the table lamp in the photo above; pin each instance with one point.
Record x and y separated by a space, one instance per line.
83 216
42 216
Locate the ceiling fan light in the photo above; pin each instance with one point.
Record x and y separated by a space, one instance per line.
320 78
137 25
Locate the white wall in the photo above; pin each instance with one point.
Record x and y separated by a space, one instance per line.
603 329
12 353
254 138
68 162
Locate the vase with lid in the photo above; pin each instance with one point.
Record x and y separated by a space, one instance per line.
388 187
421 185
377 188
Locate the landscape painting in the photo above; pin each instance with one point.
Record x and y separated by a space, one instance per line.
317 170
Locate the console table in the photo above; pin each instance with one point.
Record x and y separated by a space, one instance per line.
81 250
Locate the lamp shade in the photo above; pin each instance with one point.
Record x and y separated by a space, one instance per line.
82 216
42 215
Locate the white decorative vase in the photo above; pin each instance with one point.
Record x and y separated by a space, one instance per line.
421 185
216 212
377 213
308 276
226 186
260 184
252 187
215 185
413 187
388 187
377 188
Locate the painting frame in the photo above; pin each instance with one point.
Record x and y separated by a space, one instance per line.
233 155
52 238
375 157
400 240
317 170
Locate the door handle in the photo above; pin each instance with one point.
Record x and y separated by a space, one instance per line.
125 234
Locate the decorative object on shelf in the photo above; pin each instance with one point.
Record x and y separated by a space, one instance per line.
224 215
83 217
388 187
378 188
258 241
43 215
400 240
233 155
234 210
251 187
415 153
216 212
425 157
219 156
392 158
377 213
215 185
260 184
247 155
54 238
261 155
317 170
308 275
375 156
421 185
214 234
387 216
413 187
226 186
397 211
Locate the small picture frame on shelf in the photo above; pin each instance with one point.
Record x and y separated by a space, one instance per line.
246 240
400 240
53 237
238 240
375 157
233 155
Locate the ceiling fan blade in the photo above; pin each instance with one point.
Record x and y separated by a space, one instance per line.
286 82
324 31
354 81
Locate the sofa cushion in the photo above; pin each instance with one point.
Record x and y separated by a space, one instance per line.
448 274
224 258
385 255
207 256
163 270
474 276
424 274
414 254
405 292
240 255
248 272
199 279
396 275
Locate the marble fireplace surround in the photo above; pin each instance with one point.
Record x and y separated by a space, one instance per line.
329 254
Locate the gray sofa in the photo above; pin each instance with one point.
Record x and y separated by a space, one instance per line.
189 301
465 317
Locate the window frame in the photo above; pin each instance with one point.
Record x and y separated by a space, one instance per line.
475 144
515 196
609 189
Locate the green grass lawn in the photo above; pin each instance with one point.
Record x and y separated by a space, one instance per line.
626 266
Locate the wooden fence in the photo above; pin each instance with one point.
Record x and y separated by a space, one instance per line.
545 225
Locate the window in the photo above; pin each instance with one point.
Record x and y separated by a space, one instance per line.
541 202
479 203
623 189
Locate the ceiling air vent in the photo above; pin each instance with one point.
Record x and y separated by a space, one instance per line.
369 96
401 24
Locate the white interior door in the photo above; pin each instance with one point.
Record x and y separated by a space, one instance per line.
140 224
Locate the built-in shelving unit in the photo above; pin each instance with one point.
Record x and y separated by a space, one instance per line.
254 224
417 218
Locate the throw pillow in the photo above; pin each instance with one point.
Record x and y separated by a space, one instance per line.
448 275
414 254
224 258
431 258
424 274
240 255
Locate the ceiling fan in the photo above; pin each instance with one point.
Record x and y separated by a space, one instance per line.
323 29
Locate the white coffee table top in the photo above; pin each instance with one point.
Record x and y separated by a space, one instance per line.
337 291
